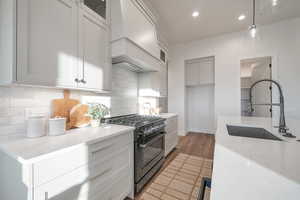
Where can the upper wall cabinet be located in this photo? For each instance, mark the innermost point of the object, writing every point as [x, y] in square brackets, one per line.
[134, 34]
[199, 72]
[59, 43]
[94, 48]
[47, 42]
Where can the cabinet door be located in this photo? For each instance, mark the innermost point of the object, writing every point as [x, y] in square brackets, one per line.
[163, 81]
[200, 71]
[47, 42]
[76, 185]
[95, 64]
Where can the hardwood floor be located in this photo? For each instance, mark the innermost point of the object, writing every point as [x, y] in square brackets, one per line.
[197, 144]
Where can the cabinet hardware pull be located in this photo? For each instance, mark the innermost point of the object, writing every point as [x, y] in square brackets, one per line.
[46, 196]
[83, 81]
[77, 80]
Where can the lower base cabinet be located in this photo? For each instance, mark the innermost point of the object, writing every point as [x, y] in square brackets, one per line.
[171, 138]
[121, 186]
[107, 173]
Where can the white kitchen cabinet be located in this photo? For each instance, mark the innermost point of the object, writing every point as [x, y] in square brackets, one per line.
[95, 62]
[87, 170]
[199, 72]
[164, 81]
[171, 137]
[153, 84]
[47, 42]
[56, 43]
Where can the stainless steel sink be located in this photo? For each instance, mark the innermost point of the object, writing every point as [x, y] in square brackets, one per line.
[251, 132]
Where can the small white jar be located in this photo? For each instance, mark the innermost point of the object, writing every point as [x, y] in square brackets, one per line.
[36, 126]
[57, 126]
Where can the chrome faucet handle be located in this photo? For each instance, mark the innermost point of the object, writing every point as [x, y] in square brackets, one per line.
[289, 135]
[283, 129]
[285, 132]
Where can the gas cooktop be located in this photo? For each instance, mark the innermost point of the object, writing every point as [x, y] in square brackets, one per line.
[134, 120]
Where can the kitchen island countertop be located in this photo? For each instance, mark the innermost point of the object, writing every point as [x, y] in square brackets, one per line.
[250, 168]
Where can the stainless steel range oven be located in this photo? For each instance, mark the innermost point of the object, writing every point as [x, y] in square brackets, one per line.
[149, 157]
[149, 145]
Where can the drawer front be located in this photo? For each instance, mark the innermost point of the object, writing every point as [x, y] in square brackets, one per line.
[62, 163]
[172, 124]
[81, 184]
[92, 182]
[98, 149]
[112, 163]
[122, 184]
[171, 141]
[59, 164]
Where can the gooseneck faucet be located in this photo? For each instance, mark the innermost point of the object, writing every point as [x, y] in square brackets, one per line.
[282, 124]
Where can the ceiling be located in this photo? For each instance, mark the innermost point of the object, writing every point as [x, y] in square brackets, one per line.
[217, 16]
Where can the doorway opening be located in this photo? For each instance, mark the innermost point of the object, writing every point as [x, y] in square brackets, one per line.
[252, 70]
[200, 95]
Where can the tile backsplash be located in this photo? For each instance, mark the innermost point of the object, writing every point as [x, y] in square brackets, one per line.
[17, 102]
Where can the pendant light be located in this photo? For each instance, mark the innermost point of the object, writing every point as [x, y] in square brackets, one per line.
[252, 28]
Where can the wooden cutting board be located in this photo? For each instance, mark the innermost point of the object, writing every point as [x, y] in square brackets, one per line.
[78, 116]
[62, 107]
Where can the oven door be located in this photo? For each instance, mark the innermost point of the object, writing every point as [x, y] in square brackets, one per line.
[148, 154]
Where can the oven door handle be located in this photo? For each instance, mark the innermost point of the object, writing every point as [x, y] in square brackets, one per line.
[155, 139]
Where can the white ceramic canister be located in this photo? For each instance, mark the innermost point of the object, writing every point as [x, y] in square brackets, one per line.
[57, 126]
[36, 126]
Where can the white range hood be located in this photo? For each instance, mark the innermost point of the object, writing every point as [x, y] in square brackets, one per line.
[134, 40]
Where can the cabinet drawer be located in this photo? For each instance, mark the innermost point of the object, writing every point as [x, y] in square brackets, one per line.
[171, 125]
[112, 163]
[68, 160]
[81, 184]
[122, 184]
[98, 148]
[88, 181]
[59, 164]
[92, 181]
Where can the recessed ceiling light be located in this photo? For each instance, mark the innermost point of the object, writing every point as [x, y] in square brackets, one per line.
[274, 2]
[242, 17]
[195, 14]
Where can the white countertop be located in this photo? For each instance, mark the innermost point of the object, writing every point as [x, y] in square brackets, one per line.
[249, 168]
[27, 149]
[167, 115]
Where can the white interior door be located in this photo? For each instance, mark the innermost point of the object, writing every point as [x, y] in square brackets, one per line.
[47, 42]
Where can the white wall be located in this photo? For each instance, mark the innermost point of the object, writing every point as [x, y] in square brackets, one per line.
[280, 40]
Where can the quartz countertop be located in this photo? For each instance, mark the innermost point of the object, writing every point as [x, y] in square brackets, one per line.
[27, 149]
[167, 115]
[250, 168]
